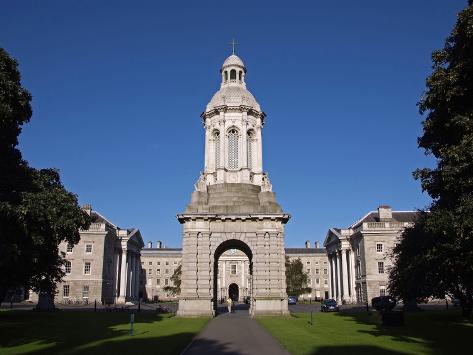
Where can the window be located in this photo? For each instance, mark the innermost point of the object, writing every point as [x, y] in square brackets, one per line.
[167, 262]
[308, 263]
[69, 248]
[68, 266]
[310, 282]
[308, 271]
[379, 247]
[317, 271]
[325, 282]
[88, 248]
[325, 272]
[158, 282]
[150, 271]
[65, 291]
[226, 75]
[150, 281]
[87, 268]
[317, 281]
[380, 267]
[150, 263]
[159, 262]
[158, 272]
[316, 263]
[233, 269]
[166, 282]
[382, 290]
[325, 263]
[250, 144]
[167, 271]
[233, 149]
[217, 149]
[175, 262]
[85, 291]
[233, 74]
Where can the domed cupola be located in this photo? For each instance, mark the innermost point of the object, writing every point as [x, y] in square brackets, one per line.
[233, 91]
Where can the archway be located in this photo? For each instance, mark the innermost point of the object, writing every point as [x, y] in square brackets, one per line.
[233, 289]
[234, 292]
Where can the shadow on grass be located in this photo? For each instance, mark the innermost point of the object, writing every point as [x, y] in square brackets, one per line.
[210, 347]
[442, 331]
[354, 350]
[77, 332]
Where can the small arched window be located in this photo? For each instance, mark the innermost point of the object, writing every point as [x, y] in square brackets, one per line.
[233, 74]
[226, 75]
[240, 73]
[250, 147]
[216, 137]
[233, 148]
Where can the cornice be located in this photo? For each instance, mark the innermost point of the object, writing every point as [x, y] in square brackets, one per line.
[283, 217]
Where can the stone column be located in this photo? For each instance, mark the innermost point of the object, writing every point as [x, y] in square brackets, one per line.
[344, 275]
[259, 158]
[131, 275]
[244, 142]
[352, 271]
[338, 277]
[116, 281]
[331, 278]
[123, 277]
[204, 278]
[137, 278]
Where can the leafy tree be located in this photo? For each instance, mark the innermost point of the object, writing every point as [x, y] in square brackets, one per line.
[296, 278]
[445, 235]
[176, 280]
[36, 212]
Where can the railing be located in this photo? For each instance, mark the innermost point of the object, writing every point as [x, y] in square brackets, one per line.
[381, 225]
[97, 227]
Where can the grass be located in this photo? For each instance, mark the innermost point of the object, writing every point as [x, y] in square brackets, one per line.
[29, 332]
[429, 332]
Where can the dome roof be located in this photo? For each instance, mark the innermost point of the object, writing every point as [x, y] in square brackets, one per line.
[233, 96]
[233, 60]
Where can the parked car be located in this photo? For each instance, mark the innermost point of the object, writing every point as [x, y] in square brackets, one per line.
[383, 303]
[329, 305]
[292, 300]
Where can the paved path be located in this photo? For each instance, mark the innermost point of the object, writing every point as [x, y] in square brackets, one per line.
[232, 334]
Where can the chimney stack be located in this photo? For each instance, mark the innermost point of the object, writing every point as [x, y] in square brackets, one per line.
[150, 244]
[307, 244]
[316, 244]
[87, 208]
[160, 244]
[385, 213]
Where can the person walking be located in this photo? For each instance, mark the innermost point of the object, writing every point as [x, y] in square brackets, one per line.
[229, 304]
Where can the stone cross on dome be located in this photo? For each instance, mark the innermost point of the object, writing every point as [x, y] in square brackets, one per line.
[233, 43]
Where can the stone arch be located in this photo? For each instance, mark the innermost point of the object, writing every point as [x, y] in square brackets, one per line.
[227, 244]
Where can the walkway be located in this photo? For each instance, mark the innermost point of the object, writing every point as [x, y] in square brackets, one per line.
[232, 334]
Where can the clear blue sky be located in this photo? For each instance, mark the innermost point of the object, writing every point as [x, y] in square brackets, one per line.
[118, 88]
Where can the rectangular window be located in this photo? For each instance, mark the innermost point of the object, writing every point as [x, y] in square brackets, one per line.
[166, 282]
[380, 267]
[167, 262]
[85, 291]
[325, 263]
[379, 247]
[69, 248]
[150, 263]
[233, 269]
[316, 263]
[158, 271]
[159, 262]
[87, 268]
[382, 290]
[150, 271]
[88, 248]
[68, 267]
[325, 282]
[325, 272]
[317, 271]
[158, 282]
[175, 262]
[308, 263]
[308, 271]
[65, 291]
[310, 282]
[317, 281]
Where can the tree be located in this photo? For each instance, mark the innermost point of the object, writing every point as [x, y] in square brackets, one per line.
[36, 212]
[445, 235]
[296, 278]
[176, 281]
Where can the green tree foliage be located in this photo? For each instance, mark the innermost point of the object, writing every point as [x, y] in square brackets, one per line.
[176, 280]
[444, 237]
[296, 278]
[36, 211]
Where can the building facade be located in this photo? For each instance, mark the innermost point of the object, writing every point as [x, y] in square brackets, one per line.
[104, 266]
[360, 256]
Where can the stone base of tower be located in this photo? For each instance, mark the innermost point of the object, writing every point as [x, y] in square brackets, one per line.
[195, 308]
[270, 307]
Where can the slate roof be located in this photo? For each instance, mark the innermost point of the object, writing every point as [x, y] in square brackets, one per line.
[398, 216]
[305, 250]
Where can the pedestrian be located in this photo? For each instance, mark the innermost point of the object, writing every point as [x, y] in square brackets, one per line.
[229, 304]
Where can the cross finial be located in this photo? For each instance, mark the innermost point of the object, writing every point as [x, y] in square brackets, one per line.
[233, 43]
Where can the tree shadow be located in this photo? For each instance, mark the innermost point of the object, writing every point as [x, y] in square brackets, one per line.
[354, 350]
[88, 332]
[210, 347]
[444, 331]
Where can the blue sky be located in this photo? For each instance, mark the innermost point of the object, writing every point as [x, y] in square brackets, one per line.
[118, 87]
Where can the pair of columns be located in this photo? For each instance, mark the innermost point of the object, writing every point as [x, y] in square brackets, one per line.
[342, 275]
[129, 276]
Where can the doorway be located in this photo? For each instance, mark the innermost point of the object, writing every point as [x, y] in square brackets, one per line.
[233, 292]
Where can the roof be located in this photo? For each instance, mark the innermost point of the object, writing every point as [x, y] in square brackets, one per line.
[398, 216]
[305, 250]
[233, 60]
[233, 96]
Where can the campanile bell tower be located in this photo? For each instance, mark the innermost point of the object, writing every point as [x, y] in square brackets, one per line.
[233, 206]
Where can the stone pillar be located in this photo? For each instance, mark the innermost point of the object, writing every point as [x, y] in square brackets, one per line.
[123, 277]
[353, 275]
[337, 276]
[116, 282]
[131, 276]
[137, 278]
[259, 158]
[244, 142]
[331, 272]
[343, 255]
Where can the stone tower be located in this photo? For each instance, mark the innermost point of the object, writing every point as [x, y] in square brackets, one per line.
[233, 206]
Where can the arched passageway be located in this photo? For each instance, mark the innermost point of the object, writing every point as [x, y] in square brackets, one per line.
[233, 288]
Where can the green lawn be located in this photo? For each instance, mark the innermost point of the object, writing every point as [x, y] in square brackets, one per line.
[90, 333]
[439, 332]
